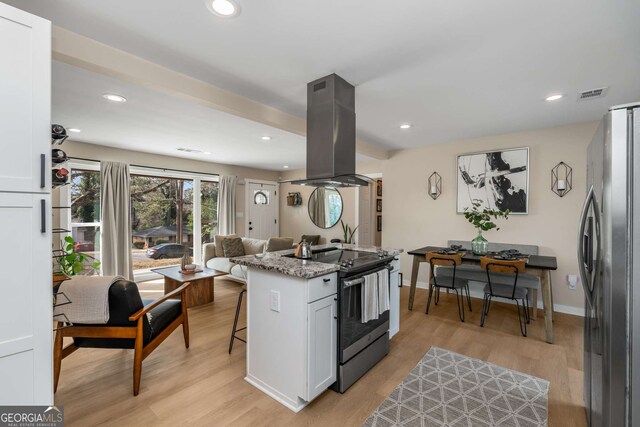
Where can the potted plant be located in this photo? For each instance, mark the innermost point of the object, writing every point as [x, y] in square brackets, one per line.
[71, 263]
[348, 233]
[482, 219]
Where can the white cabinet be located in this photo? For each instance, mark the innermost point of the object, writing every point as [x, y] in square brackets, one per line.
[321, 345]
[395, 278]
[292, 335]
[25, 305]
[25, 101]
[25, 202]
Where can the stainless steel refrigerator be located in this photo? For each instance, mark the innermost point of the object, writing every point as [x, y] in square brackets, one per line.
[608, 254]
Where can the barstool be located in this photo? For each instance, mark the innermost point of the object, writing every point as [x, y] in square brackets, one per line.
[235, 321]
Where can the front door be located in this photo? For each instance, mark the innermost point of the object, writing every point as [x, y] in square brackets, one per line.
[262, 210]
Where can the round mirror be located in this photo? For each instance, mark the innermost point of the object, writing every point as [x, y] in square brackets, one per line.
[325, 207]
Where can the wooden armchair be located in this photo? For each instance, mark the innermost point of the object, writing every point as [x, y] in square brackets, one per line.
[133, 324]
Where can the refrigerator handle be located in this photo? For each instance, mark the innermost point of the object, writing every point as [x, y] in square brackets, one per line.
[585, 243]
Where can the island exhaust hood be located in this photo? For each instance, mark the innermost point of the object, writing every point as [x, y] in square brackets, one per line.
[331, 135]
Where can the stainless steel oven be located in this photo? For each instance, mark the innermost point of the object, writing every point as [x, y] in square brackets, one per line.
[360, 345]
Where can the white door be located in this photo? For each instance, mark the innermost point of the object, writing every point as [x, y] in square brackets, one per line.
[25, 101]
[365, 215]
[262, 210]
[322, 345]
[26, 302]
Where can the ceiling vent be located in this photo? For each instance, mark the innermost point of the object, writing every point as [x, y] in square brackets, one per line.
[189, 150]
[592, 93]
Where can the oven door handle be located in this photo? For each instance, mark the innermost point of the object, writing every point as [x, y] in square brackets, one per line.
[360, 280]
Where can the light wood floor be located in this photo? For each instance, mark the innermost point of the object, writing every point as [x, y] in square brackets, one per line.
[204, 385]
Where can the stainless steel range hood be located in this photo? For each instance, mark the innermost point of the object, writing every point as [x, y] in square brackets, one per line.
[331, 134]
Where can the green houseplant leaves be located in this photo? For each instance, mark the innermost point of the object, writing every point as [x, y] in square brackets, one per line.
[73, 263]
[482, 219]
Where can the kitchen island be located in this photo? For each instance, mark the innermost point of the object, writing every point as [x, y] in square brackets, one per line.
[295, 316]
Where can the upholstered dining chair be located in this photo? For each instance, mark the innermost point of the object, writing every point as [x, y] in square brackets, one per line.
[448, 282]
[134, 323]
[519, 294]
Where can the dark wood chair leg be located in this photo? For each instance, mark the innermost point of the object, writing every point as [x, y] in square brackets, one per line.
[57, 357]
[185, 322]
[137, 357]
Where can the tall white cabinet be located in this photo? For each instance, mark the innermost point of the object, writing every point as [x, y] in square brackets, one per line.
[25, 209]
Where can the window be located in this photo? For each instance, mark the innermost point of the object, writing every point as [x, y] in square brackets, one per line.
[161, 220]
[209, 210]
[164, 212]
[261, 197]
[85, 212]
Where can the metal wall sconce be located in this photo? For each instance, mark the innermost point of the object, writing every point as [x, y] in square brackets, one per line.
[561, 179]
[435, 185]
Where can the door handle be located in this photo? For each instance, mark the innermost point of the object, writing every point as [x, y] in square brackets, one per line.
[326, 280]
[250, 228]
[42, 170]
[400, 278]
[584, 244]
[43, 216]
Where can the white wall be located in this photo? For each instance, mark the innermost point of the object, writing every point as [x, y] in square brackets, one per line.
[412, 219]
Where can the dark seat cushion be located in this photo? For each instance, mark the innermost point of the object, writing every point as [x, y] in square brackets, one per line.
[445, 282]
[505, 291]
[124, 300]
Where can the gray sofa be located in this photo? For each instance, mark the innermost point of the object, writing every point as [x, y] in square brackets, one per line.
[213, 255]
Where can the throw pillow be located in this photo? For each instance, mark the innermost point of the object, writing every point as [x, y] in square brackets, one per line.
[217, 241]
[232, 247]
[279, 244]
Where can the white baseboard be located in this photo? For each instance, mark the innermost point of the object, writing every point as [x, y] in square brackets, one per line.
[477, 293]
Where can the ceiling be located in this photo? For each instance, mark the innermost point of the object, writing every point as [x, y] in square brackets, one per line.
[157, 123]
[454, 69]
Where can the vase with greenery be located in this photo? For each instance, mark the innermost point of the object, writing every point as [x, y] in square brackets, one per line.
[483, 220]
[72, 263]
[348, 232]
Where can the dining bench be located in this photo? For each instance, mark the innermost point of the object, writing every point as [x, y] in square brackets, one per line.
[474, 273]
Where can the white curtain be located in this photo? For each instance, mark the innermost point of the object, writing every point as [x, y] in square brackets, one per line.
[115, 208]
[227, 205]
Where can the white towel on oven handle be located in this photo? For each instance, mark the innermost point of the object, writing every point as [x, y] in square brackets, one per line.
[369, 297]
[383, 291]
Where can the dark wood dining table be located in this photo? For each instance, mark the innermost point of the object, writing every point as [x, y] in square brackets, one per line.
[538, 265]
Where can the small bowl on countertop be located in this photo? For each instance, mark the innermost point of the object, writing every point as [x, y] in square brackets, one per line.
[190, 267]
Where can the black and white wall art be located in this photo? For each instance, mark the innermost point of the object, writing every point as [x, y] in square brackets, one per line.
[499, 178]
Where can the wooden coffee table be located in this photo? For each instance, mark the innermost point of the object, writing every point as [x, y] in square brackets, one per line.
[201, 289]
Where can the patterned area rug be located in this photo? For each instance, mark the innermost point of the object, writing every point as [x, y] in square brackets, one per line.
[449, 389]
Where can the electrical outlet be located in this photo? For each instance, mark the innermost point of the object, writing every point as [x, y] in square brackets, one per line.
[572, 281]
[274, 301]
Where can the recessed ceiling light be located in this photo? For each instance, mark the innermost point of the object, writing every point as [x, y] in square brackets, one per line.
[207, 152]
[114, 98]
[74, 130]
[266, 138]
[405, 126]
[286, 167]
[554, 97]
[223, 8]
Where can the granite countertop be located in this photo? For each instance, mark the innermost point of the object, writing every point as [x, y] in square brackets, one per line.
[276, 261]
